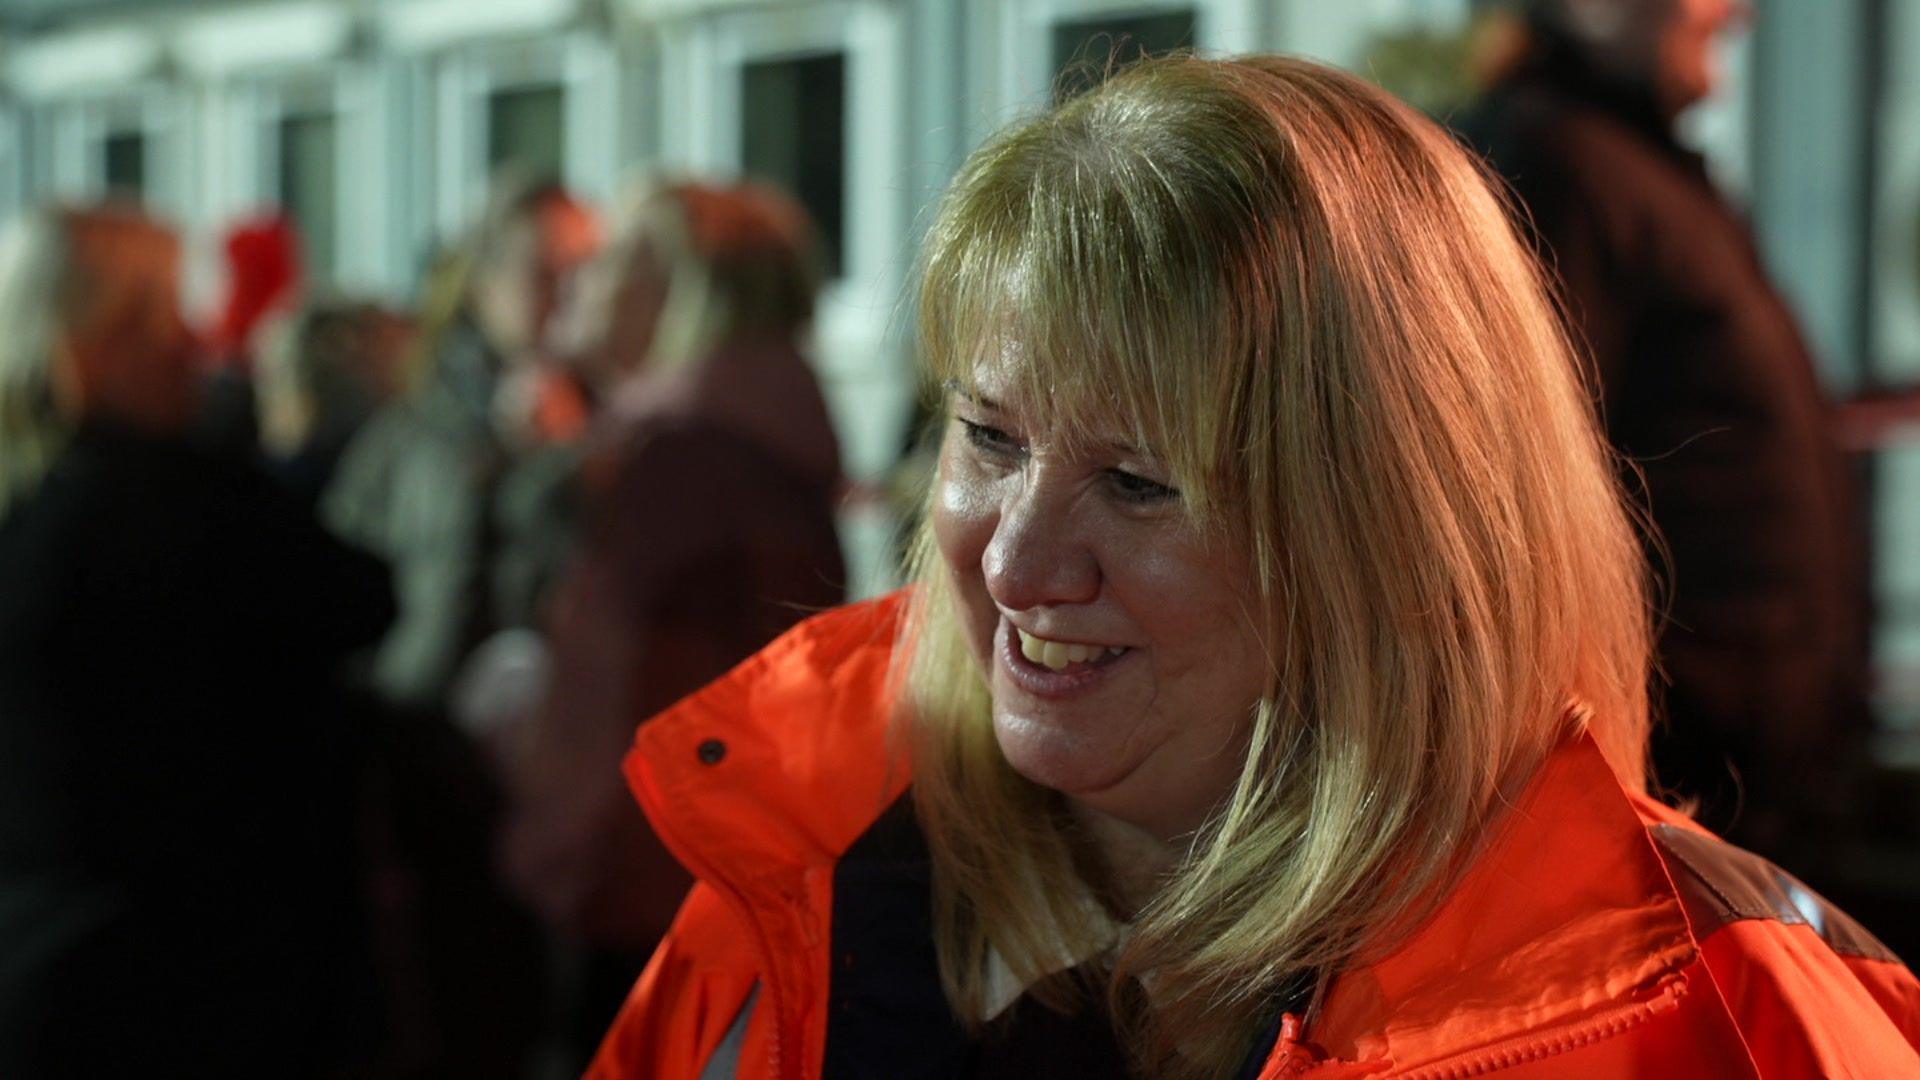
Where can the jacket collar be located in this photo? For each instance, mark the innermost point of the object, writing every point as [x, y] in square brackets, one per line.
[772, 770]
[1562, 74]
[760, 782]
[1577, 73]
[1566, 920]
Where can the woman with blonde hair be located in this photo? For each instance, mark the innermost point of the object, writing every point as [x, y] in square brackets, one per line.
[1271, 696]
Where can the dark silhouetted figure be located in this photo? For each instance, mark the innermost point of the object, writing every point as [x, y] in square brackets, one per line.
[178, 893]
[1709, 390]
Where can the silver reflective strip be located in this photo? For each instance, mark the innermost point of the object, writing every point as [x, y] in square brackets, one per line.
[725, 1062]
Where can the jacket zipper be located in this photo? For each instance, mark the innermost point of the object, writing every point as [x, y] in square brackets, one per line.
[764, 947]
[1586, 1033]
[737, 898]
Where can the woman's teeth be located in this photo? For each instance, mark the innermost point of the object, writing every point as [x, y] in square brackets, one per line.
[1058, 654]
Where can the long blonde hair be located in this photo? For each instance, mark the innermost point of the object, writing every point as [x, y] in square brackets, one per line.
[1310, 302]
[516, 199]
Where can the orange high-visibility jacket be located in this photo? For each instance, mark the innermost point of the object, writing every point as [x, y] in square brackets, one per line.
[1599, 934]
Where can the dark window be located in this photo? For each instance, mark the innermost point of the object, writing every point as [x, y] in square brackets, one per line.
[794, 135]
[125, 163]
[308, 193]
[526, 127]
[1086, 51]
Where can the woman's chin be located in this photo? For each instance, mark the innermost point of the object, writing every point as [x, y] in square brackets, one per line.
[1056, 756]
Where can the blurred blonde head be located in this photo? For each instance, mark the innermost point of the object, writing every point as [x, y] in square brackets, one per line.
[90, 299]
[508, 273]
[1310, 304]
[694, 267]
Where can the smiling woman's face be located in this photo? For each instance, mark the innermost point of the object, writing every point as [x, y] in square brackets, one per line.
[1114, 634]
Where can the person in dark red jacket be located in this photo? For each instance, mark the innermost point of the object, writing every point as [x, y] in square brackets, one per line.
[1270, 699]
[1709, 391]
[709, 529]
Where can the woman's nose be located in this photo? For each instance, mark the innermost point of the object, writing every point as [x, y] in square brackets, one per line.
[1037, 556]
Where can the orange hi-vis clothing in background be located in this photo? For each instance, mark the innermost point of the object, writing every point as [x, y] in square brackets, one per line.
[1597, 934]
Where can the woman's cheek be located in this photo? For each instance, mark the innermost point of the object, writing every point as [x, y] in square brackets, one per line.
[965, 515]
[963, 511]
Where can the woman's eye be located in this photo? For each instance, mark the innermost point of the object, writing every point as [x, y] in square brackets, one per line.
[990, 440]
[1135, 488]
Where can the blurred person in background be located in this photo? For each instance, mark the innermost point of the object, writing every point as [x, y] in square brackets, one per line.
[1709, 389]
[447, 483]
[177, 888]
[708, 530]
[322, 372]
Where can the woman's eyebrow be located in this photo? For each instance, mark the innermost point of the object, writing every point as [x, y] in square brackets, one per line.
[954, 386]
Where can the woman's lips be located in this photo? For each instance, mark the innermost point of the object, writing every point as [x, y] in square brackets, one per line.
[1085, 666]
